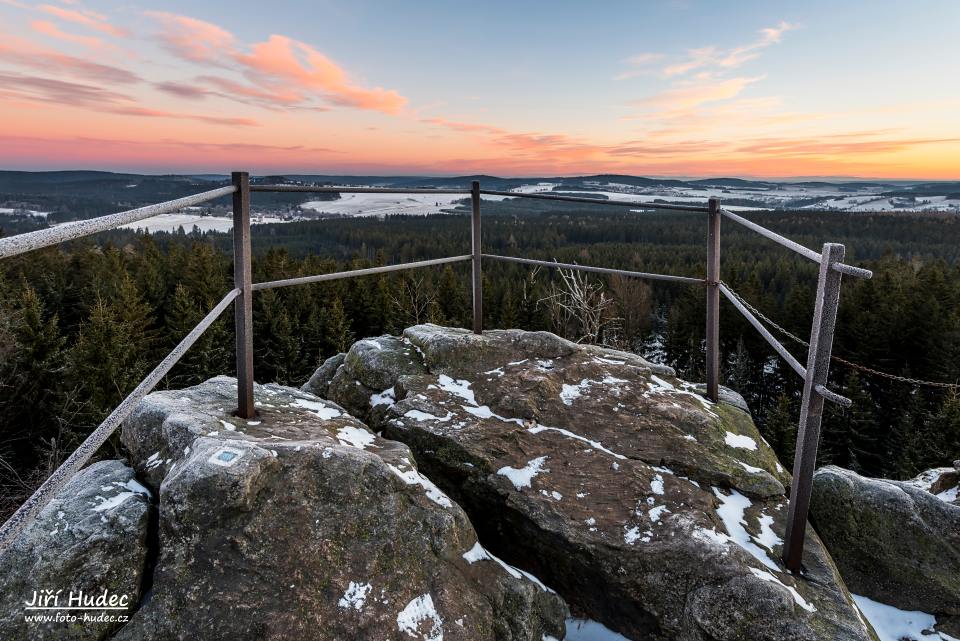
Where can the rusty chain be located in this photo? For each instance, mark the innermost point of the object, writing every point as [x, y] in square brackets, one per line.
[856, 366]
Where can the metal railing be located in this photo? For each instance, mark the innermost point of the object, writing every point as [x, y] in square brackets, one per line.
[814, 374]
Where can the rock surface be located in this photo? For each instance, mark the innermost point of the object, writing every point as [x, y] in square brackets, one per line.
[320, 381]
[91, 537]
[894, 542]
[302, 524]
[942, 482]
[646, 506]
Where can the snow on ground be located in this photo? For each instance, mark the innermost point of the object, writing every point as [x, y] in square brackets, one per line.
[355, 436]
[926, 480]
[523, 476]
[784, 196]
[355, 596]
[320, 409]
[950, 495]
[739, 440]
[412, 477]
[389, 204]
[9, 211]
[892, 624]
[539, 188]
[172, 222]
[731, 511]
[587, 630]
[480, 553]
[420, 610]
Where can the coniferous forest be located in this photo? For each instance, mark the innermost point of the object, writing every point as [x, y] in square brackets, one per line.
[82, 324]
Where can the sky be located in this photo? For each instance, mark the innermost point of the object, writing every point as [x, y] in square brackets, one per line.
[660, 88]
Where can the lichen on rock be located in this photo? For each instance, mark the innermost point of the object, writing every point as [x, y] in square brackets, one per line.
[895, 542]
[645, 505]
[90, 540]
[304, 524]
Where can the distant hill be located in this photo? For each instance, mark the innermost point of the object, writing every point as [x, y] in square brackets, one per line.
[73, 195]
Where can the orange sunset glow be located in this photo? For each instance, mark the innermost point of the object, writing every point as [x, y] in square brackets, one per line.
[382, 89]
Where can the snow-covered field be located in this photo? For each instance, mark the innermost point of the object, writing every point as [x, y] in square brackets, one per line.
[385, 204]
[693, 198]
[777, 196]
[759, 197]
[8, 211]
[735, 195]
[172, 222]
[389, 204]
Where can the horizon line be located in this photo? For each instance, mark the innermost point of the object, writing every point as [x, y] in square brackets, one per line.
[678, 177]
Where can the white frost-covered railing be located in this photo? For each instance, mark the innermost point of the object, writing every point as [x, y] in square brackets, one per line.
[814, 374]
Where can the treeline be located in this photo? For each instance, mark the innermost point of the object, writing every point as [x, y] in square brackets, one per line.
[81, 325]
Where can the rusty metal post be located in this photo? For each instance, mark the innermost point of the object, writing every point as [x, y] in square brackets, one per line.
[811, 409]
[243, 306]
[713, 299]
[477, 257]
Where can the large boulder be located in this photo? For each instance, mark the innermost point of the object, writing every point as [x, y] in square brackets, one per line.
[320, 381]
[372, 365]
[645, 505]
[302, 524]
[894, 542]
[88, 542]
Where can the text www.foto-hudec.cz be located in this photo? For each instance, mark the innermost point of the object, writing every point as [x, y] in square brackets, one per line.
[73, 606]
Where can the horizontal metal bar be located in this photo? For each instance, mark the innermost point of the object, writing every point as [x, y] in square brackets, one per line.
[30, 241]
[319, 278]
[62, 475]
[355, 190]
[850, 270]
[774, 343]
[833, 397]
[594, 201]
[596, 270]
[775, 237]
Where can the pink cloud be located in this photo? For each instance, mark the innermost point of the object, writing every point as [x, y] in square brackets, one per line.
[240, 91]
[182, 90]
[21, 53]
[59, 92]
[696, 58]
[132, 154]
[527, 144]
[49, 29]
[192, 39]
[302, 66]
[282, 71]
[159, 113]
[714, 57]
[850, 144]
[90, 19]
[691, 95]
[640, 64]
[467, 127]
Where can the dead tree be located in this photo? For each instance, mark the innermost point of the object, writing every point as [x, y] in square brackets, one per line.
[580, 310]
[413, 302]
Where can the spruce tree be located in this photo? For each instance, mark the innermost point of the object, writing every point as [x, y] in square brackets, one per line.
[780, 429]
[338, 335]
[31, 372]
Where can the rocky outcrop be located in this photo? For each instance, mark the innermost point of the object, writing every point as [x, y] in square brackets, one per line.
[302, 524]
[646, 506]
[89, 542]
[894, 542]
[320, 381]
